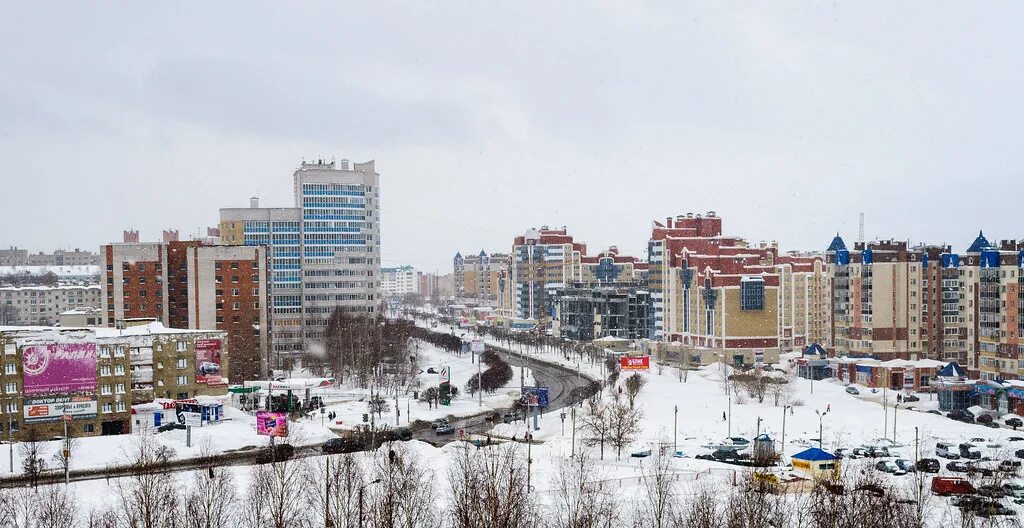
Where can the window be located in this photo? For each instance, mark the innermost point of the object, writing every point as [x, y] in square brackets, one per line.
[119, 351]
[11, 368]
[104, 352]
[108, 408]
[88, 428]
[119, 388]
[182, 380]
[121, 407]
[182, 346]
[236, 305]
[104, 370]
[12, 407]
[182, 363]
[119, 370]
[105, 390]
[11, 388]
[234, 292]
[752, 293]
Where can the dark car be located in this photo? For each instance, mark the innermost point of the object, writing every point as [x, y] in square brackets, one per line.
[1019, 453]
[974, 469]
[957, 466]
[879, 452]
[1014, 422]
[278, 453]
[170, 426]
[961, 416]
[933, 411]
[991, 490]
[928, 465]
[984, 419]
[1015, 439]
[991, 425]
[337, 446]
[911, 398]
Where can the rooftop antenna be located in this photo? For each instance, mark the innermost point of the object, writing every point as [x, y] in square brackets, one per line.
[860, 232]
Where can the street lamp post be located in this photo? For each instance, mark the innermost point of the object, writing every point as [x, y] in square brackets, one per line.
[782, 454]
[894, 409]
[361, 488]
[820, 416]
[675, 429]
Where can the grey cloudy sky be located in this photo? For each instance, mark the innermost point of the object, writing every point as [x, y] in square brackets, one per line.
[488, 118]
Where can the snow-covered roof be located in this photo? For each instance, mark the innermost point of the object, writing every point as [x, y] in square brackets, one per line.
[154, 328]
[45, 288]
[60, 271]
[814, 455]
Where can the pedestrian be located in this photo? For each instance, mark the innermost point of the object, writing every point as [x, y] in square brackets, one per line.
[791, 410]
[723, 416]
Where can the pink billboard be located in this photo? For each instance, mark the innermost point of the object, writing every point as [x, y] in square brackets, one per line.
[271, 423]
[59, 368]
[208, 361]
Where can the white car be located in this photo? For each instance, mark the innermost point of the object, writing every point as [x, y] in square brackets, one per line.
[1013, 488]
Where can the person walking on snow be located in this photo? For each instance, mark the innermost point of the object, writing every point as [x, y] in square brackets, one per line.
[723, 416]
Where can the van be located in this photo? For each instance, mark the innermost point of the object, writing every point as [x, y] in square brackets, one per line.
[970, 451]
[951, 486]
[947, 450]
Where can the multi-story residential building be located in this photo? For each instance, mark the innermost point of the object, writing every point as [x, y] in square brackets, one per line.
[41, 305]
[96, 374]
[720, 295]
[610, 267]
[542, 262]
[587, 312]
[877, 302]
[477, 276]
[21, 257]
[324, 251]
[398, 281]
[48, 275]
[190, 285]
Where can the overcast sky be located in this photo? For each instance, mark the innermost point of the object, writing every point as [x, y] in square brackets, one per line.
[486, 121]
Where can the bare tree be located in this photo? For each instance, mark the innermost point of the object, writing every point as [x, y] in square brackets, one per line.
[63, 456]
[701, 510]
[580, 500]
[149, 498]
[488, 489]
[624, 424]
[634, 383]
[276, 496]
[44, 507]
[661, 493]
[780, 389]
[33, 454]
[595, 427]
[211, 501]
[404, 495]
[336, 483]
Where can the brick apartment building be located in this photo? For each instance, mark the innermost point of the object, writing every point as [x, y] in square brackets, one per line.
[477, 277]
[193, 285]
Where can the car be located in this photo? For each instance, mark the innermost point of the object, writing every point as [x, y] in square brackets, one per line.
[991, 425]
[641, 454]
[860, 452]
[169, 426]
[438, 423]
[846, 452]
[279, 452]
[337, 446]
[951, 486]
[928, 465]
[991, 490]
[1019, 453]
[984, 419]
[974, 468]
[1015, 439]
[933, 411]
[510, 417]
[879, 452]
[969, 451]
[1009, 466]
[910, 398]
[444, 430]
[852, 390]
[957, 467]
[906, 465]
[888, 466]
[961, 416]
[1013, 488]
[947, 450]
[738, 441]
[1014, 422]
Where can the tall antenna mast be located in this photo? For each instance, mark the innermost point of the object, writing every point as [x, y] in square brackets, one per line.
[860, 232]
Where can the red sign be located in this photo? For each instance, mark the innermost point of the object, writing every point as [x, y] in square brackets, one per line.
[635, 363]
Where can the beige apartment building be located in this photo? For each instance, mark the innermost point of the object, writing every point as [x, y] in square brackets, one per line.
[543, 261]
[42, 305]
[478, 277]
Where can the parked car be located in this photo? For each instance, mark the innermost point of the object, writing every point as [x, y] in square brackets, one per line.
[1009, 466]
[510, 417]
[961, 416]
[975, 468]
[888, 466]
[860, 452]
[641, 454]
[845, 452]
[951, 485]
[879, 452]
[1014, 422]
[984, 419]
[280, 452]
[1013, 488]
[910, 398]
[444, 430]
[852, 390]
[991, 425]
[1019, 453]
[947, 450]
[957, 467]
[991, 490]
[933, 411]
[969, 451]
[1015, 439]
[906, 465]
[928, 465]
[337, 446]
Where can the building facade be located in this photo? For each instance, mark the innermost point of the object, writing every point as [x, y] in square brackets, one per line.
[610, 267]
[14, 256]
[189, 285]
[398, 281]
[41, 305]
[543, 262]
[96, 374]
[324, 251]
[588, 312]
[477, 277]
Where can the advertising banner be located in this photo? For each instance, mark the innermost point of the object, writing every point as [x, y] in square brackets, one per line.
[478, 346]
[271, 423]
[52, 408]
[635, 363]
[189, 413]
[536, 396]
[208, 361]
[59, 368]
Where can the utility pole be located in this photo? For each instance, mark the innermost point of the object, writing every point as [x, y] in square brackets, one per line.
[67, 451]
[885, 412]
[479, 382]
[573, 452]
[894, 409]
[529, 459]
[327, 496]
[782, 453]
[675, 429]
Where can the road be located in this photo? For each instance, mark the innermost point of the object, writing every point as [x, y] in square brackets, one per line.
[560, 382]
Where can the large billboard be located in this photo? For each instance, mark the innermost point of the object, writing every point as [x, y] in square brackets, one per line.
[271, 423]
[536, 396]
[208, 361]
[59, 368]
[188, 413]
[52, 408]
[635, 362]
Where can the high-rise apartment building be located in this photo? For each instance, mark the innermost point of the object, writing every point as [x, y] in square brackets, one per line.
[191, 285]
[324, 251]
[398, 281]
[542, 262]
[477, 276]
[877, 302]
[611, 267]
[719, 294]
[42, 305]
